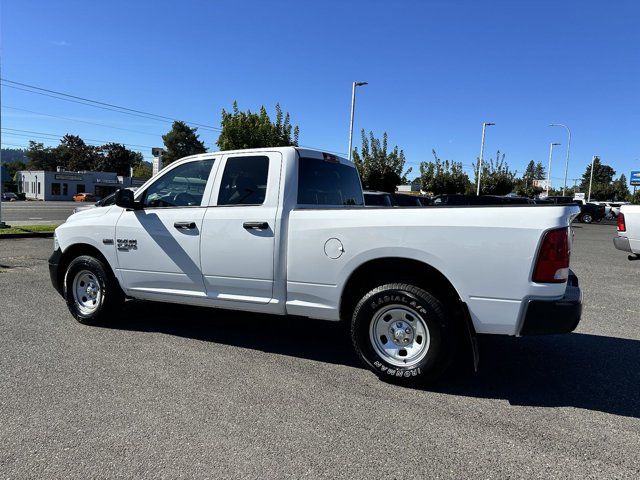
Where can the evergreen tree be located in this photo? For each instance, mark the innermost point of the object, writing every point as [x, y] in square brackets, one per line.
[40, 157]
[602, 187]
[181, 141]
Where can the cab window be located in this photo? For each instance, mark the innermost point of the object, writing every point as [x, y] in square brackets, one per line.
[244, 181]
[182, 186]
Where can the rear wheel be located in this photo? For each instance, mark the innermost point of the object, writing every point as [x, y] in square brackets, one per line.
[91, 291]
[587, 218]
[403, 333]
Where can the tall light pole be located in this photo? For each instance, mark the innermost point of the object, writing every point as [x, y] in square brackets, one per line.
[551, 145]
[353, 111]
[566, 163]
[591, 178]
[484, 126]
[2, 224]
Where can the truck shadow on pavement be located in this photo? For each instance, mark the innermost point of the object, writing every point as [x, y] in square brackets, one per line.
[576, 370]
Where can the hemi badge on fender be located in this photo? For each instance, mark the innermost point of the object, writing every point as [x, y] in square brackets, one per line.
[107, 241]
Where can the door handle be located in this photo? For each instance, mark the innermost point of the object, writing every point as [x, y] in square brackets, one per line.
[185, 225]
[255, 225]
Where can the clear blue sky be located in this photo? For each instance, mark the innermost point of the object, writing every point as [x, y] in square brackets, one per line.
[436, 69]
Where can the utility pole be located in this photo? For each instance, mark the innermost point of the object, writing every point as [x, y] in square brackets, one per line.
[484, 126]
[549, 169]
[353, 111]
[2, 224]
[591, 179]
[566, 163]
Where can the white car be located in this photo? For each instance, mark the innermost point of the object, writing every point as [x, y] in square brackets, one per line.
[628, 239]
[284, 231]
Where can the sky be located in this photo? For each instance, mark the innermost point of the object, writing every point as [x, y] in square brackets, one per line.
[436, 70]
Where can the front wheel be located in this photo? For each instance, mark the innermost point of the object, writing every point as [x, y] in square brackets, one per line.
[91, 291]
[403, 333]
[587, 218]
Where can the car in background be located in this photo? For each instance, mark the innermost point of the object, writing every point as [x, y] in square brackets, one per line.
[589, 212]
[85, 197]
[9, 197]
[105, 202]
[403, 200]
[492, 200]
[377, 199]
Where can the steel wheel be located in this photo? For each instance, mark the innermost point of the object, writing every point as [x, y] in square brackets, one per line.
[587, 218]
[87, 293]
[399, 335]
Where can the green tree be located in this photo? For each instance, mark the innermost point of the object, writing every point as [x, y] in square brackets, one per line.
[540, 173]
[181, 141]
[497, 179]
[115, 157]
[143, 170]
[75, 155]
[602, 187]
[524, 186]
[439, 177]
[620, 189]
[40, 157]
[380, 169]
[256, 130]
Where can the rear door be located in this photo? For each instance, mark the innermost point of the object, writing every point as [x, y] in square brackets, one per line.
[158, 246]
[238, 230]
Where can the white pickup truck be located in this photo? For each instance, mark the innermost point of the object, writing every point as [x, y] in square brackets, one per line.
[284, 231]
[628, 238]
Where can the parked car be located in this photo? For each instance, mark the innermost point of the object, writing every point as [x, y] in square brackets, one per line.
[85, 197]
[377, 199]
[414, 284]
[589, 211]
[488, 200]
[9, 197]
[628, 239]
[403, 200]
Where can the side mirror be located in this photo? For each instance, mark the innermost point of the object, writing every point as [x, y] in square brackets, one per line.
[124, 199]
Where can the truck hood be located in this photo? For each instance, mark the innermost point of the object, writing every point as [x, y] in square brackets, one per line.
[88, 213]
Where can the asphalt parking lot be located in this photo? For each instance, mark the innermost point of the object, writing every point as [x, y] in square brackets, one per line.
[174, 392]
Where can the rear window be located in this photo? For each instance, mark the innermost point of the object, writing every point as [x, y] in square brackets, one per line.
[322, 182]
[377, 200]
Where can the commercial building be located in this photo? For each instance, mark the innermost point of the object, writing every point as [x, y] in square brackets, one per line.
[62, 185]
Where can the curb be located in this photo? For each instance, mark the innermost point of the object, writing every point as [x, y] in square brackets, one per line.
[26, 235]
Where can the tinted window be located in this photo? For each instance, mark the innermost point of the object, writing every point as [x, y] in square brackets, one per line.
[244, 181]
[406, 201]
[322, 182]
[182, 186]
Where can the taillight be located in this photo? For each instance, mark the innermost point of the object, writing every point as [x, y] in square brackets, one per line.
[622, 227]
[552, 265]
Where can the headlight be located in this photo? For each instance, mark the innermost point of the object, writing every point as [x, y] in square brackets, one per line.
[55, 242]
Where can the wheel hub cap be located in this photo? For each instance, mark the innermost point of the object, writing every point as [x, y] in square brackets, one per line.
[86, 292]
[399, 335]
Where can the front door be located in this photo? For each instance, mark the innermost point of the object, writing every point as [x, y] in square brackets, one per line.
[158, 246]
[239, 228]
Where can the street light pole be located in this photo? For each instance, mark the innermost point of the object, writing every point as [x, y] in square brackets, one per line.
[551, 145]
[2, 224]
[484, 126]
[353, 111]
[591, 178]
[566, 163]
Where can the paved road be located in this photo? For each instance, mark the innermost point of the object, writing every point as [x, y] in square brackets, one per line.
[35, 213]
[173, 392]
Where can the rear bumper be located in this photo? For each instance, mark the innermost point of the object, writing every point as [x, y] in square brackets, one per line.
[54, 264]
[544, 317]
[622, 243]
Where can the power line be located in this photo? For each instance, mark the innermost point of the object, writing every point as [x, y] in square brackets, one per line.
[98, 104]
[56, 136]
[115, 108]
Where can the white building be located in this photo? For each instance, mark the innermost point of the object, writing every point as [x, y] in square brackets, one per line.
[61, 185]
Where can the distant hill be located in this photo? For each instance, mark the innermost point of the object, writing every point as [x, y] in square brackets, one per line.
[10, 155]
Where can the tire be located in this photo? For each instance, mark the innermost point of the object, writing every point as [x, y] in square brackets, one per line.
[91, 291]
[399, 317]
[586, 218]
